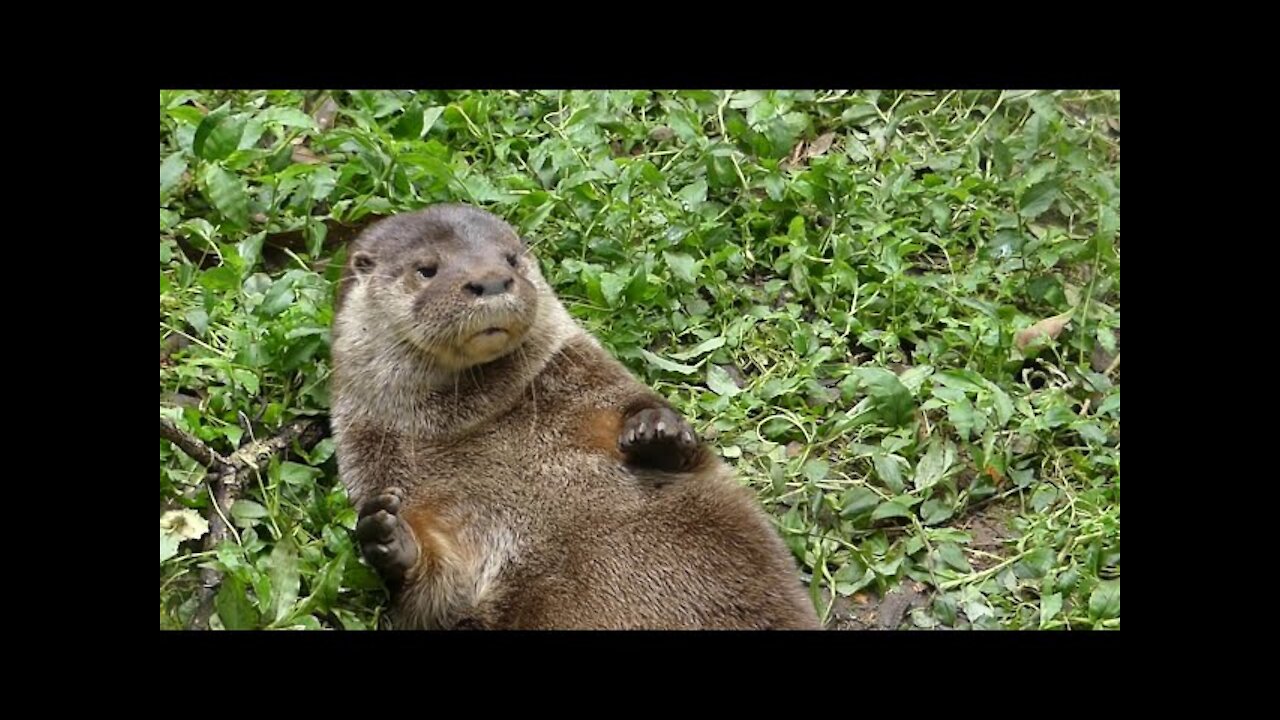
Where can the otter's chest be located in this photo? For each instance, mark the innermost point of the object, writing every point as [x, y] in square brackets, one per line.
[531, 452]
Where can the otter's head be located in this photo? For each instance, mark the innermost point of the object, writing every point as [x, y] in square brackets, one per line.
[453, 281]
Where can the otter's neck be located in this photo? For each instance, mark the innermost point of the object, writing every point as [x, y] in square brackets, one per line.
[381, 381]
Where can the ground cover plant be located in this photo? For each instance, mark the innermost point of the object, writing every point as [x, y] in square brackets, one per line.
[897, 314]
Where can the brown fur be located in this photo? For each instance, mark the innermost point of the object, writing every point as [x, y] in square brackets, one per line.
[524, 510]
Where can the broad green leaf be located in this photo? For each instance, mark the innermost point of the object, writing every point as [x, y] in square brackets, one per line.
[247, 510]
[1104, 601]
[858, 501]
[953, 556]
[612, 285]
[210, 121]
[228, 194]
[695, 193]
[234, 607]
[720, 382]
[198, 319]
[285, 579]
[889, 468]
[224, 138]
[1038, 198]
[278, 298]
[816, 470]
[890, 397]
[296, 474]
[171, 172]
[667, 365]
[1050, 606]
[701, 348]
[937, 460]
[890, 509]
[168, 545]
[682, 266]
[1036, 564]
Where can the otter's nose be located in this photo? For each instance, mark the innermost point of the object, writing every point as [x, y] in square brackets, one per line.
[489, 286]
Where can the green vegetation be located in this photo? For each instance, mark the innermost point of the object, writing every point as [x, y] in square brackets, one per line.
[897, 314]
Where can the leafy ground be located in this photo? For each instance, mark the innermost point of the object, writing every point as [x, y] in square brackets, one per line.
[896, 313]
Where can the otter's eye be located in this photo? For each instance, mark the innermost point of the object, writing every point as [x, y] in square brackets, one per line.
[427, 271]
[511, 260]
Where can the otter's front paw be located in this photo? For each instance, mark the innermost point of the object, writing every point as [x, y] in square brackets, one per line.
[658, 438]
[386, 540]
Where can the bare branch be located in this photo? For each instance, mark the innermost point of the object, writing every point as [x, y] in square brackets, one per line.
[224, 484]
[306, 432]
[190, 444]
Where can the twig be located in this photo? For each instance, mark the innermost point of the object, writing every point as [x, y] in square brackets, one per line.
[224, 484]
[190, 444]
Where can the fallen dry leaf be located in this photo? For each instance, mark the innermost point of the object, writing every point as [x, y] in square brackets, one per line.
[821, 145]
[303, 155]
[183, 524]
[794, 449]
[325, 114]
[1050, 327]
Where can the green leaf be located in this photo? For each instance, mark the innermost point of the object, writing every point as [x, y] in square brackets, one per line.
[247, 510]
[701, 348]
[1090, 432]
[233, 605]
[224, 138]
[937, 460]
[612, 285]
[1043, 497]
[322, 452]
[198, 319]
[667, 365]
[278, 298]
[210, 121]
[720, 382]
[246, 379]
[816, 470]
[967, 420]
[250, 251]
[1036, 564]
[890, 509]
[1038, 198]
[682, 266]
[296, 474]
[288, 117]
[282, 566]
[944, 606]
[429, 117]
[858, 501]
[889, 468]
[219, 278]
[694, 194]
[168, 545]
[171, 172]
[891, 399]
[953, 556]
[1104, 601]
[1050, 606]
[228, 194]
[934, 511]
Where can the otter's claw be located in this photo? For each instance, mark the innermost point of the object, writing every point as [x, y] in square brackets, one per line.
[658, 438]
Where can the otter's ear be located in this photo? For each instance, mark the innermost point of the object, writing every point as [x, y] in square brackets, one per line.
[363, 263]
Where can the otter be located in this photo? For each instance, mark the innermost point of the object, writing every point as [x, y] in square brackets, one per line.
[508, 472]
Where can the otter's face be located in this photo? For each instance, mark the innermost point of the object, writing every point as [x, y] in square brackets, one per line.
[454, 281]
